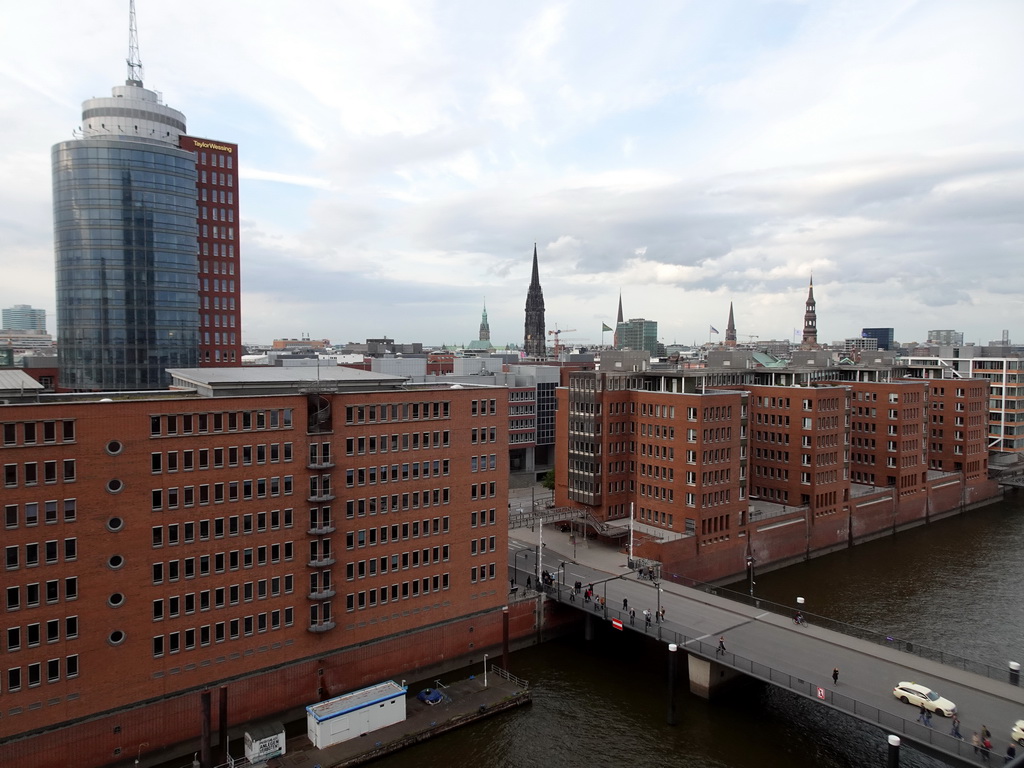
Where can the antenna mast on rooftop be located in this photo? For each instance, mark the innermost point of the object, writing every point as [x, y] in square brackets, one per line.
[134, 62]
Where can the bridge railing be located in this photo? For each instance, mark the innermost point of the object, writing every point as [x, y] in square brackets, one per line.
[950, 658]
[937, 737]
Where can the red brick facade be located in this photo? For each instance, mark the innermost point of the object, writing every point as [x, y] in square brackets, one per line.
[293, 544]
[772, 473]
[219, 251]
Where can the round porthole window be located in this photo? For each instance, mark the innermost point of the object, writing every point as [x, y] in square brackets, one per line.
[116, 637]
[114, 447]
[115, 562]
[115, 599]
[115, 486]
[115, 524]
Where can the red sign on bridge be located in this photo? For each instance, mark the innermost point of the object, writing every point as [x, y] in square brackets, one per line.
[617, 624]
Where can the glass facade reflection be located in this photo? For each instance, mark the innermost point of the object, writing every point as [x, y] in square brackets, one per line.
[125, 234]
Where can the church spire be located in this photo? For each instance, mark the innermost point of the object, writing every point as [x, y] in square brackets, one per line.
[730, 330]
[485, 328]
[810, 337]
[535, 341]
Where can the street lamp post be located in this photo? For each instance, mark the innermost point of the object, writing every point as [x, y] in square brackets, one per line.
[561, 577]
[750, 569]
[485, 670]
[525, 553]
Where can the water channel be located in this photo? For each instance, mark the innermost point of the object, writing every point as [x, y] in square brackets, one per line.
[956, 584]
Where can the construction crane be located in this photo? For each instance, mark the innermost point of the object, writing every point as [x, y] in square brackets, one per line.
[557, 334]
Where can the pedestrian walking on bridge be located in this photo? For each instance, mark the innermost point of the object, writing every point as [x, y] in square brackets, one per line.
[721, 646]
[835, 676]
[625, 604]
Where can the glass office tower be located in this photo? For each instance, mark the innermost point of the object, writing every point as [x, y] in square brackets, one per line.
[125, 229]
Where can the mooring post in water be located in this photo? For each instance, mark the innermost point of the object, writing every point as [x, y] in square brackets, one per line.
[504, 639]
[206, 756]
[670, 715]
[222, 724]
[894, 752]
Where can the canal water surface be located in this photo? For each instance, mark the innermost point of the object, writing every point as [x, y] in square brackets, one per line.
[955, 584]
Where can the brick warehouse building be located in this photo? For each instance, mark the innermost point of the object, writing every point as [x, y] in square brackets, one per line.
[252, 530]
[720, 467]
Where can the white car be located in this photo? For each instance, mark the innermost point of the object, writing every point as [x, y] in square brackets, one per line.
[918, 695]
[1017, 733]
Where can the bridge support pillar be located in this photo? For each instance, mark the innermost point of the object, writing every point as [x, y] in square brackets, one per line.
[588, 627]
[709, 678]
[673, 654]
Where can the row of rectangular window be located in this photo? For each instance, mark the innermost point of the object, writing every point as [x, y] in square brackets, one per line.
[243, 490]
[34, 432]
[31, 473]
[228, 321]
[482, 490]
[273, 520]
[32, 676]
[228, 199]
[33, 593]
[221, 597]
[371, 414]
[221, 562]
[219, 214]
[482, 464]
[486, 544]
[227, 179]
[398, 561]
[230, 421]
[32, 635]
[399, 441]
[235, 455]
[399, 591]
[396, 502]
[399, 532]
[485, 517]
[483, 435]
[260, 489]
[27, 514]
[172, 570]
[216, 158]
[219, 302]
[50, 550]
[222, 250]
[232, 629]
[482, 573]
[407, 471]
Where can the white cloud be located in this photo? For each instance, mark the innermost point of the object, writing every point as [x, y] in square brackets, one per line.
[399, 160]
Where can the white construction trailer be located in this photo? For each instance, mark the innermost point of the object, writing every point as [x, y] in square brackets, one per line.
[353, 714]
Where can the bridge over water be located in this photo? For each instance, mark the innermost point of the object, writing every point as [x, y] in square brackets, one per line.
[763, 642]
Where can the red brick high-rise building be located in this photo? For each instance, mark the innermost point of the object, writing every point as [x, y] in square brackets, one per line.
[219, 251]
[258, 530]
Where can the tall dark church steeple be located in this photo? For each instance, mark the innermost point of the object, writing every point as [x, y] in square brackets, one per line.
[730, 330]
[485, 327]
[535, 341]
[810, 338]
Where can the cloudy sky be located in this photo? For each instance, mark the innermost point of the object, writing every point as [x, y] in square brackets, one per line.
[398, 160]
